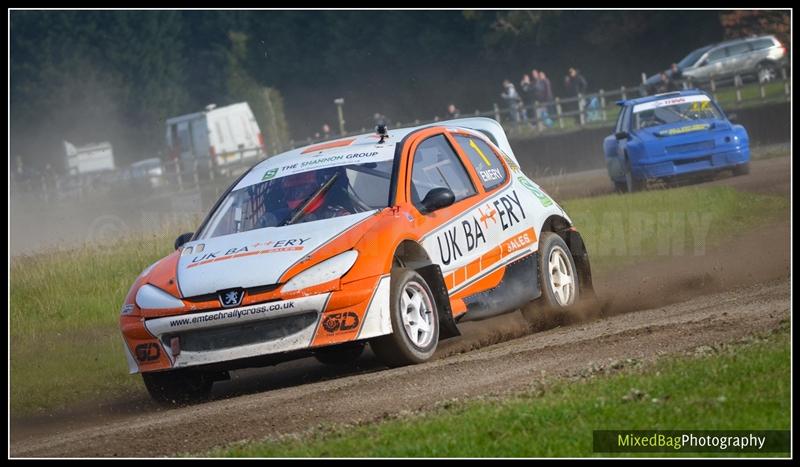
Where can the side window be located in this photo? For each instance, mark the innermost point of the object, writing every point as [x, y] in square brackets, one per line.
[487, 165]
[738, 49]
[437, 165]
[762, 44]
[717, 55]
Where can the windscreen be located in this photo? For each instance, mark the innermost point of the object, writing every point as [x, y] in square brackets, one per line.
[674, 110]
[303, 197]
[692, 58]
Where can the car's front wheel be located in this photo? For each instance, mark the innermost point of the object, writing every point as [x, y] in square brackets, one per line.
[632, 184]
[558, 279]
[178, 386]
[415, 322]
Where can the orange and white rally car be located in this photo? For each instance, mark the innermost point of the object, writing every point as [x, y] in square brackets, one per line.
[389, 239]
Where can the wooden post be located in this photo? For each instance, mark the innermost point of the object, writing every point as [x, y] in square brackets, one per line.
[558, 113]
[603, 105]
[785, 81]
[581, 108]
[622, 93]
[538, 115]
[737, 81]
[496, 112]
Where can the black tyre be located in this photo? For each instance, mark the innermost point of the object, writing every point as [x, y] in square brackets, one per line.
[559, 282]
[741, 169]
[632, 184]
[415, 322]
[340, 355]
[178, 387]
[766, 72]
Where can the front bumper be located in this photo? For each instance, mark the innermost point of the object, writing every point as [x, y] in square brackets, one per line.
[689, 165]
[228, 335]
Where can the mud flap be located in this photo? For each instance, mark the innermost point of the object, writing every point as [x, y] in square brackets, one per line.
[433, 276]
[576, 246]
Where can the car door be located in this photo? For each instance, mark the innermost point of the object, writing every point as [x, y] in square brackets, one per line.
[711, 66]
[502, 276]
[736, 61]
[611, 145]
[434, 164]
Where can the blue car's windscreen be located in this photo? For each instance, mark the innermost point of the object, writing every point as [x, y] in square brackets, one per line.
[303, 197]
[679, 112]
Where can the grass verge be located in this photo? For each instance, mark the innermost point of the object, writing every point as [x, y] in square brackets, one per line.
[620, 229]
[743, 386]
[66, 347]
[65, 343]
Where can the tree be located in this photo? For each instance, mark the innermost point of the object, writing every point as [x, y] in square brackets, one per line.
[741, 23]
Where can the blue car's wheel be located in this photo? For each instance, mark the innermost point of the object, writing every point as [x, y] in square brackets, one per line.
[632, 183]
[741, 169]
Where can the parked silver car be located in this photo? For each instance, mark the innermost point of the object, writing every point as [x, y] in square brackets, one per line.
[760, 57]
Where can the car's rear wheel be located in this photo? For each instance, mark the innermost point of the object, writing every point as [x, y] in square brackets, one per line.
[767, 72]
[415, 322]
[558, 280]
[741, 169]
[178, 387]
[340, 355]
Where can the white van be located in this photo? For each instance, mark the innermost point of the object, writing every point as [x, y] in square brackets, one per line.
[218, 135]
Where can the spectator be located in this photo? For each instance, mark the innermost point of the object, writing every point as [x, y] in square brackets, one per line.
[326, 131]
[526, 91]
[539, 95]
[453, 112]
[380, 119]
[512, 99]
[675, 74]
[665, 84]
[576, 86]
[549, 97]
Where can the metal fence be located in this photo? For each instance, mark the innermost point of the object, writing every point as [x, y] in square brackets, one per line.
[600, 109]
[591, 110]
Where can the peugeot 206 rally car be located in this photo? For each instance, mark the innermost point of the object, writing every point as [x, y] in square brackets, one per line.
[389, 239]
[672, 135]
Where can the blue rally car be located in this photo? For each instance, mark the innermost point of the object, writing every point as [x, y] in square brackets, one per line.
[670, 135]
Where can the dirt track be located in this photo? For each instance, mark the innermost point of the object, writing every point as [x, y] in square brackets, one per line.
[651, 309]
[768, 176]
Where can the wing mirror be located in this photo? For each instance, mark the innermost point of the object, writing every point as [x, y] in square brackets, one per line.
[182, 239]
[438, 198]
[622, 135]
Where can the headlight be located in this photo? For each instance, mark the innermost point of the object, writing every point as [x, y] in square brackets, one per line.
[152, 298]
[328, 270]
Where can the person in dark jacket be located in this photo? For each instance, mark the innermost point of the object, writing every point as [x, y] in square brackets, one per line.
[576, 85]
[527, 90]
[665, 84]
